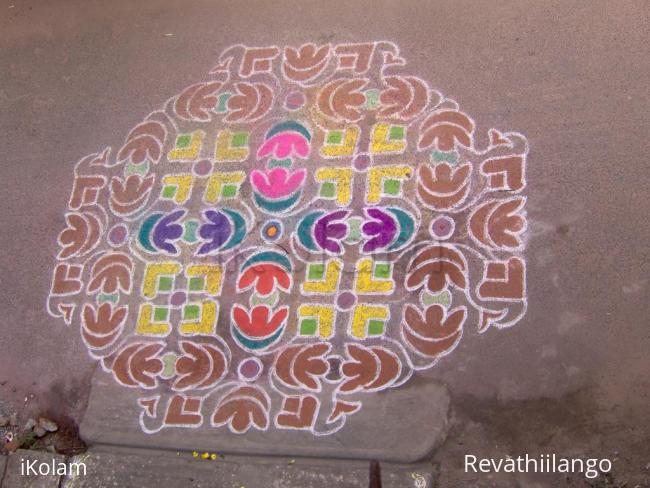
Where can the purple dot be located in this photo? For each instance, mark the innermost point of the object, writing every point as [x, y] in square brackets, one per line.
[442, 227]
[362, 161]
[117, 235]
[294, 100]
[178, 298]
[250, 369]
[203, 167]
[346, 300]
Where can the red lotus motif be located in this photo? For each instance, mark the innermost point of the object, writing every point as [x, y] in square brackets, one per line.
[265, 277]
[260, 322]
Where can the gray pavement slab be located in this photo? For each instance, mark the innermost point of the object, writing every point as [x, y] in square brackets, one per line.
[3, 464]
[18, 474]
[374, 433]
[136, 468]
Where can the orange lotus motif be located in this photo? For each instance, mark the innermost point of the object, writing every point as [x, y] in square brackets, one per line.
[102, 325]
[196, 101]
[243, 408]
[446, 130]
[144, 143]
[442, 187]
[130, 194]
[499, 223]
[435, 333]
[342, 99]
[252, 102]
[306, 63]
[404, 97]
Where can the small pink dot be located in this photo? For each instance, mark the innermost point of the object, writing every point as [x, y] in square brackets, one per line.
[442, 227]
[202, 168]
[362, 161]
[178, 298]
[346, 300]
[294, 100]
[118, 234]
[250, 369]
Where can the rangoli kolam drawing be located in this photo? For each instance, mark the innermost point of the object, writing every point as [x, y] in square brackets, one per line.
[300, 229]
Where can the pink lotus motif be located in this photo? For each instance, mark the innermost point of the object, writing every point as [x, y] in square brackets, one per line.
[283, 145]
[277, 182]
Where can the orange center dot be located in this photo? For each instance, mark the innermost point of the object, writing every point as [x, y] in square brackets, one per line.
[271, 231]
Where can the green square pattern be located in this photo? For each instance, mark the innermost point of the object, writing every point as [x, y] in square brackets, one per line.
[372, 99]
[165, 283]
[169, 191]
[396, 133]
[240, 139]
[191, 227]
[105, 297]
[382, 270]
[316, 272]
[391, 187]
[223, 99]
[437, 156]
[160, 314]
[197, 283]
[375, 327]
[183, 141]
[328, 190]
[308, 327]
[191, 312]
[334, 137]
[229, 191]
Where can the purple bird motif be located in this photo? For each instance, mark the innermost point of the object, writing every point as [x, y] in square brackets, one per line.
[327, 231]
[381, 230]
[216, 231]
[168, 230]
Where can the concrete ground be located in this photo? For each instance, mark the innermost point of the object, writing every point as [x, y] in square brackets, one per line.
[571, 378]
[131, 468]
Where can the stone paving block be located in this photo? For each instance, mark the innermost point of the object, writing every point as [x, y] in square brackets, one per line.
[3, 463]
[373, 433]
[49, 479]
[128, 468]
